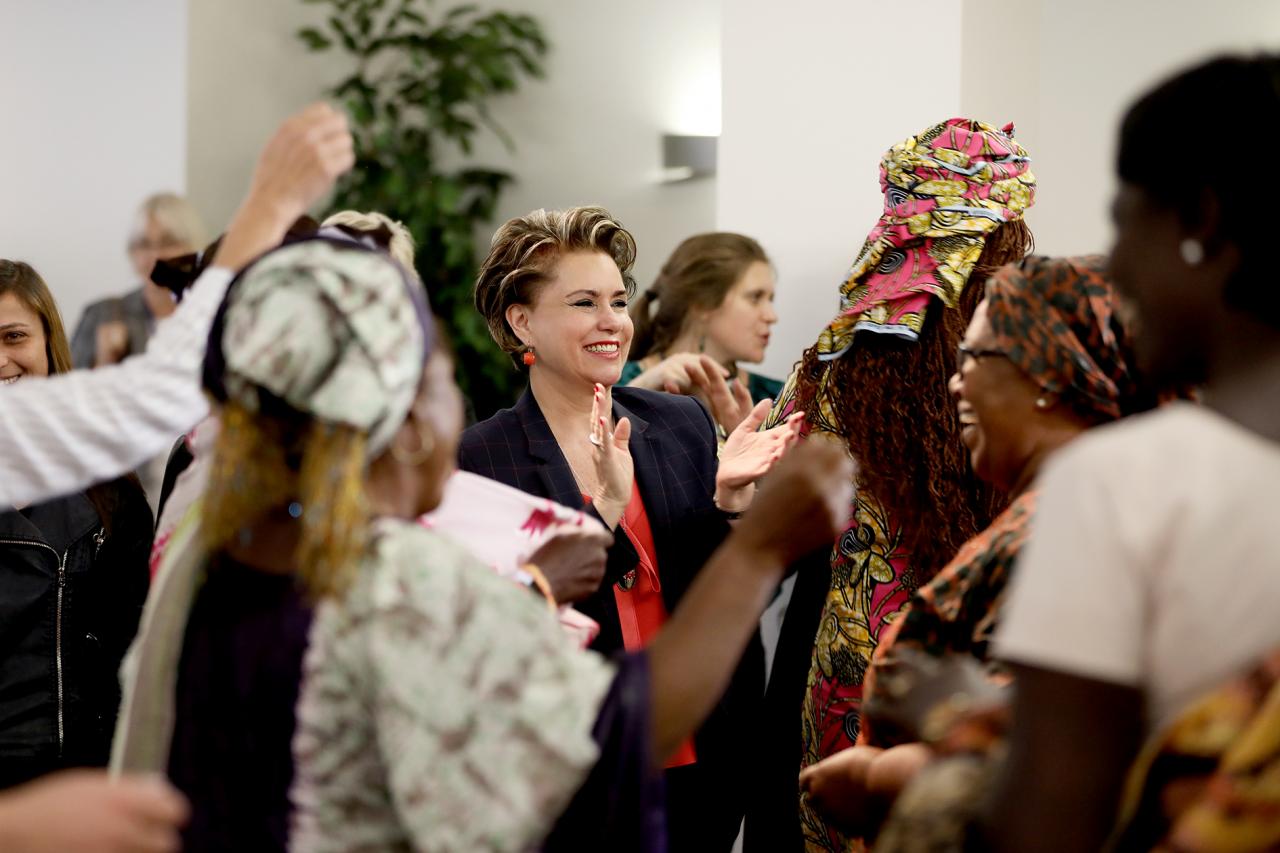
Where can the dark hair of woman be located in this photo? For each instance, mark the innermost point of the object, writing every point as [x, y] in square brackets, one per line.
[890, 402]
[1224, 93]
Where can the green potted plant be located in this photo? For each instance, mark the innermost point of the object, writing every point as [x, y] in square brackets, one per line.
[422, 85]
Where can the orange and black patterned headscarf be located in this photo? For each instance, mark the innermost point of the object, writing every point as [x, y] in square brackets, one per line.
[1059, 320]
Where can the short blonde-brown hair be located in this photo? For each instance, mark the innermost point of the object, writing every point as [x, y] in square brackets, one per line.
[523, 254]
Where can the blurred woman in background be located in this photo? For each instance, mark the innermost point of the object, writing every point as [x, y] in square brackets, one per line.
[1150, 576]
[115, 328]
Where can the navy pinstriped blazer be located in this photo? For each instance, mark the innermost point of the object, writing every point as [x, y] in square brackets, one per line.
[673, 446]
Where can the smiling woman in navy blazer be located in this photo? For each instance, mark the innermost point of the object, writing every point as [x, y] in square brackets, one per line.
[554, 291]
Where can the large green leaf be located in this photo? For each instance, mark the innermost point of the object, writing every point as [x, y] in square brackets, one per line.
[314, 39]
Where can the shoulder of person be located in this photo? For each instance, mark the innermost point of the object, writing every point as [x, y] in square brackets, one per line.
[1137, 483]
[413, 570]
[110, 303]
[1165, 439]
[97, 311]
[134, 300]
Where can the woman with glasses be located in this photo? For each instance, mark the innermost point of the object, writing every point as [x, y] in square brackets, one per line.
[112, 329]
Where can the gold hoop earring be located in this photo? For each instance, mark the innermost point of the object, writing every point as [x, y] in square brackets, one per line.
[414, 458]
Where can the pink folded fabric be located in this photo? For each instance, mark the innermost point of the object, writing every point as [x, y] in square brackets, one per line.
[502, 527]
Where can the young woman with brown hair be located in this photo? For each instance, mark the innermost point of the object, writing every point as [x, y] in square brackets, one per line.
[709, 311]
[74, 577]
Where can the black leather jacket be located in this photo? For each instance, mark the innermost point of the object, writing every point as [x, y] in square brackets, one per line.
[71, 595]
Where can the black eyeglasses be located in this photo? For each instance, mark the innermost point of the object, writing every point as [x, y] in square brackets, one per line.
[965, 352]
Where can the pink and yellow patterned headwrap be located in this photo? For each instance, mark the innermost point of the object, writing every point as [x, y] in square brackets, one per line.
[945, 190]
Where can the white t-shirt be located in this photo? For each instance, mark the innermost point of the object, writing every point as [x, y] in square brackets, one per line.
[1155, 558]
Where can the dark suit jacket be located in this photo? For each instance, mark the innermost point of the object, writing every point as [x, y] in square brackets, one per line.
[673, 445]
[131, 309]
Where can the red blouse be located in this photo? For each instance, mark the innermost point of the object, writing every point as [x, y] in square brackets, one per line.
[641, 609]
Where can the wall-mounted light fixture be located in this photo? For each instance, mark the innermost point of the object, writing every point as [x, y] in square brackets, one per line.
[688, 157]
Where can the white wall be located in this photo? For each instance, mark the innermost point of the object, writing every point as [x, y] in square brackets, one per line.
[1000, 72]
[618, 76]
[811, 100]
[1095, 57]
[247, 74]
[94, 102]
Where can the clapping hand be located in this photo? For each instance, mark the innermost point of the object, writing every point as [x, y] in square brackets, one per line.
[681, 373]
[749, 454]
[611, 455]
[691, 374]
[728, 399]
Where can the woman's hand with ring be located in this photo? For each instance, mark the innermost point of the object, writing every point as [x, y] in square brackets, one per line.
[615, 470]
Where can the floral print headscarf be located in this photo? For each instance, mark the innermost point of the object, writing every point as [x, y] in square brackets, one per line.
[945, 190]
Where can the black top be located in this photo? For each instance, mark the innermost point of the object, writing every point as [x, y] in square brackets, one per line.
[621, 807]
[130, 309]
[71, 593]
[238, 684]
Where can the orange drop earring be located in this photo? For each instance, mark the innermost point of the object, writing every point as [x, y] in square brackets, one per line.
[529, 357]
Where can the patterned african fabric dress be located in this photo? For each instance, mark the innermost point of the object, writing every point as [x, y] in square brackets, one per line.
[443, 708]
[871, 580]
[1207, 782]
[958, 611]
[946, 190]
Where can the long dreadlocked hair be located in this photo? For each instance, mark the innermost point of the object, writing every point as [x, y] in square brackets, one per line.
[262, 463]
[890, 403]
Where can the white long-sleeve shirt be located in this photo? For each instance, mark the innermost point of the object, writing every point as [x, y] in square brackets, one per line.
[63, 434]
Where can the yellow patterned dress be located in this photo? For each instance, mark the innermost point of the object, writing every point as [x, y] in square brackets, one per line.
[946, 190]
[870, 582]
